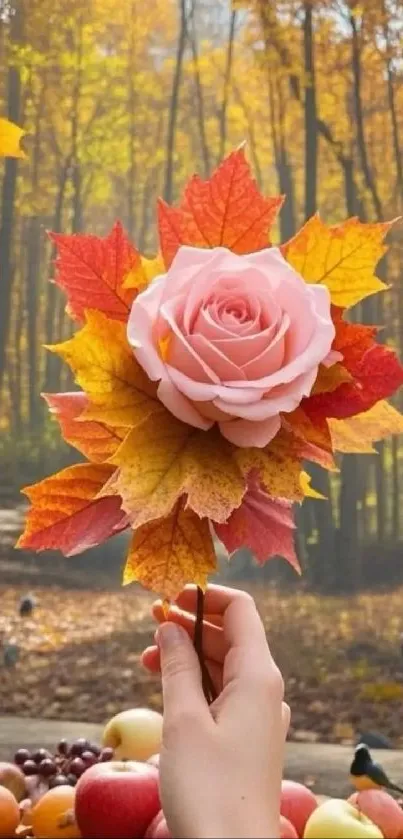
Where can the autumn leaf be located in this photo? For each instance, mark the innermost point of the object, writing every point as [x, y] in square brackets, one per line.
[316, 435]
[357, 434]
[264, 525]
[376, 375]
[330, 378]
[167, 554]
[95, 273]
[343, 257]
[227, 210]
[95, 440]
[307, 489]
[10, 138]
[66, 513]
[162, 459]
[151, 268]
[119, 391]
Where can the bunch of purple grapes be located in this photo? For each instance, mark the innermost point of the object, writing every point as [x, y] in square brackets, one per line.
[65, 766]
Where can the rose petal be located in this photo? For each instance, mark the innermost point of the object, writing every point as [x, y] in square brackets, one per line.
[245, 433]
[272, 357]
[285, 398]
[180, 354]
[180, 407]
[223, 368]
[140, 330]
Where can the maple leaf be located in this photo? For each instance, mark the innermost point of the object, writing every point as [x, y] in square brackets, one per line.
[162, 459]
[227, 210]
[343, 257]
[376, 375]
[330, 378]
[316, 435]
[167, 554]
[263, 524]
[10, 139]
[119, 391]
[357, 434]
[95, 273]
[66, 513]
[95, 440]
[308, 490]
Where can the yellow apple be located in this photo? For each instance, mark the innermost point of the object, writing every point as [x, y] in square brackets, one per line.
[338, 819]
[134, 734]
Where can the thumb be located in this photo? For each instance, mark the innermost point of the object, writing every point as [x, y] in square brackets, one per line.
[180, 671]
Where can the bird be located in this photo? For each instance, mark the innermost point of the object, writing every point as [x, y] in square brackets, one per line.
[366, 774]
[27, 606]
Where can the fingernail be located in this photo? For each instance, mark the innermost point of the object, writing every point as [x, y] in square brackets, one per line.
[169, 634]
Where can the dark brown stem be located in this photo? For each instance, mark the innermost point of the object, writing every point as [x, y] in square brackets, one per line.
[207, 682]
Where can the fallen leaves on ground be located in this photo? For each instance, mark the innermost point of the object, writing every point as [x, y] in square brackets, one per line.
[80, 651]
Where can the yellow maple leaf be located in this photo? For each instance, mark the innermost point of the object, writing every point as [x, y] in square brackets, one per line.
[162, 459]
[166, 554]
[119, 391]
[278, 465]
[307, 489]
[357, 434]
[343, 257]
[10, 138]
[144, 273]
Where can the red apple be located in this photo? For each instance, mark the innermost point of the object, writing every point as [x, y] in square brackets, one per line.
[287, 829]
[117, 800]
[297, 804]
[158, 829]
[382, 809]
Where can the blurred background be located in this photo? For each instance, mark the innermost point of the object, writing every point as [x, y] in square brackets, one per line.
[121, 102]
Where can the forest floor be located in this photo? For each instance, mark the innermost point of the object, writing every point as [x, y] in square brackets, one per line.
[78, 658]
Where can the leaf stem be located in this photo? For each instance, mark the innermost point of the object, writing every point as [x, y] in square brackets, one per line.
[207, 682]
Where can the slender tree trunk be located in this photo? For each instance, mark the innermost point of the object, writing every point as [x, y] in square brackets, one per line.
[393, 113]
[395, 491]
[311, 133]
[201, 122]
[32, 298]
[227, 87]
[174, 104]
[9, 193]
[131, 104]
[288, 224]
[52, 368]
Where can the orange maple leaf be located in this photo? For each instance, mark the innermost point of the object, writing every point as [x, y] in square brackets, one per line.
[96, 440]
[225, 211]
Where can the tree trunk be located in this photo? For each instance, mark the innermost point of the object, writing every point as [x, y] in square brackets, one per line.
[9, 193]
[288, 223]
[32, 298]
[393, 114]
[227, 87]
[311, 132]
[201, 122]
[131, 104]
[174, 104]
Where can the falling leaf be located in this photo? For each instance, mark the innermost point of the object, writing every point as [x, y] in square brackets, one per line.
[168, 553]
[330, 378]
[118, 389]
[95, 273]
[67, 515]
[163, 459]
[263, 524]
[10, 138]
[95, 440]
[358, 434]
[343, 257]
[227, 210]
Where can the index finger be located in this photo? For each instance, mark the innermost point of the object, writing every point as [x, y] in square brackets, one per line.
[216, 599]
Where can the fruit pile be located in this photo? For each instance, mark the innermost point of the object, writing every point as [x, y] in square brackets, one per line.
[85, 791]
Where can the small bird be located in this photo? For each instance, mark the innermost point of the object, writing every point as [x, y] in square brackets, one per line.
[27, 606]
[366, 774]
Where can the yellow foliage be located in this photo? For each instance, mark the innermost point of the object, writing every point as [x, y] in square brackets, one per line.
[10, 138]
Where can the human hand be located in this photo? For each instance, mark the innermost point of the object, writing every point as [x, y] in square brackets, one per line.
[220, 765]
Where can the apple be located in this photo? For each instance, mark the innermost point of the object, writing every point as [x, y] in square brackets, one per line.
[297, 804]
[158, 829]
[338, 819]
[382, 809]
[13, 779]
[287, 829]
[134, 734]
[117, 800]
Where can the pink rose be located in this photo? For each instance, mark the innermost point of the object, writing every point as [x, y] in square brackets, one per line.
[232, 339]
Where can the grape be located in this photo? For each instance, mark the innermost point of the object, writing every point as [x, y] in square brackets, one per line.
[106, 754]
[40, 755]
[63, 747]
[77, 767]
[96, 750]
[21, 756]
[72, 779]
[80, 745]
[29, 767]
[89, 758]
[57, 781]
[47, 767]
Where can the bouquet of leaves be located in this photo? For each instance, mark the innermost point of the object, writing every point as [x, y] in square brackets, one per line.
[207, 376]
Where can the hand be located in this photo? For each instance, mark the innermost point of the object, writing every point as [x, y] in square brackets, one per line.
[220, 765]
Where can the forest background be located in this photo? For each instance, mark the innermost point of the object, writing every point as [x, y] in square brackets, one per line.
[120, 103]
